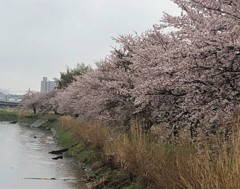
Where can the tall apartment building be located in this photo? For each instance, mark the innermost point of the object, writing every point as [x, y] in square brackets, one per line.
[47, 85]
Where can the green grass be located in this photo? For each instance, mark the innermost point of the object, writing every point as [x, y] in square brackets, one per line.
[8, 114]
[134, 185]
[26, 118]
[66, 138]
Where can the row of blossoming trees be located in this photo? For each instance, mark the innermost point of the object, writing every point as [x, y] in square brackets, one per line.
[186, 78]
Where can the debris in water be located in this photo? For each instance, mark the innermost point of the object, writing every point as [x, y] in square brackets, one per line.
[62, 150]
[13, 122]
[58, 157]
[53, 178]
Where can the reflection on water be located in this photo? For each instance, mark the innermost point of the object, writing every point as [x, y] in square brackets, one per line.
[24, 155]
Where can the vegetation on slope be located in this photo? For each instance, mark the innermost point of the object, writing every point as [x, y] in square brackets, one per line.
[8, 114]
[139, 158]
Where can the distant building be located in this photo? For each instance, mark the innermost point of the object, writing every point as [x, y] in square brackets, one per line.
[44, 84]
[14, 98]
[47, 85]
[10, 97]
[3, 97]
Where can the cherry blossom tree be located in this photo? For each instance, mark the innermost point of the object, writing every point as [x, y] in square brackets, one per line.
[188, 77]
[47, 102]
[210, 30]
[30, 101]
[103, 94]
[65, 100]
[43, 102]
[157, 92]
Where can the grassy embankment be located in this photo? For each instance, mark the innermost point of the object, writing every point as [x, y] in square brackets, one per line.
[154, 164]
[136, 160]
[7, 114]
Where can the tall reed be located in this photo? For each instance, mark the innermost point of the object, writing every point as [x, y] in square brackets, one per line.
[167, 165]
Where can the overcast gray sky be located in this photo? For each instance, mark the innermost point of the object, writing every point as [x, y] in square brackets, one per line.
[42, 37]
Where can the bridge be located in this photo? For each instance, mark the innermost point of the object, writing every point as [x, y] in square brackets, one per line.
[9, 104]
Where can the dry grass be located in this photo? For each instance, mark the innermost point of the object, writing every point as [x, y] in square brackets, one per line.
[95, 134]
[162, 165]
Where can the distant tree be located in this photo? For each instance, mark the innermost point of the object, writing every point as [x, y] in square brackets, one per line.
[69, 76]
[30, 101]
[104, 94]
[65, 99]
[41, 102]
[47, 102]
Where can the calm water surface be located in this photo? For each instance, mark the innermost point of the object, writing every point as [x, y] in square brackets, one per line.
[24, 154]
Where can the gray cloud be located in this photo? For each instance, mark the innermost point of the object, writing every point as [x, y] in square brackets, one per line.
[41, 37]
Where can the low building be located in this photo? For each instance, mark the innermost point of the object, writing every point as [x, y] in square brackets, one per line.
[3, 97]
[10, 97]
[14, 98]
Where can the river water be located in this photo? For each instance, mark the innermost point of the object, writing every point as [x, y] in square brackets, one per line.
[25, 162]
